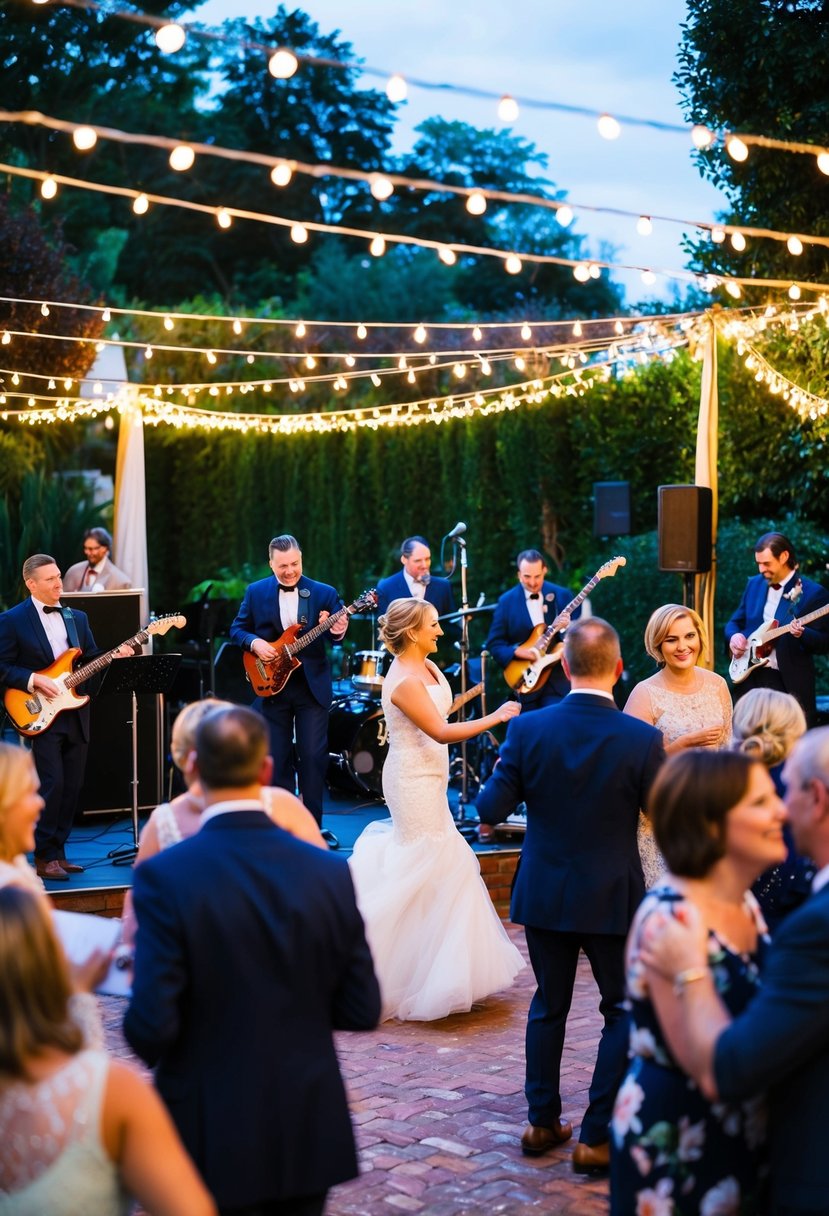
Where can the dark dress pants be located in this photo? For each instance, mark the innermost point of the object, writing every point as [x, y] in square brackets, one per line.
[554, 957]
[295, 714]
[60, 760]
[307, 1205]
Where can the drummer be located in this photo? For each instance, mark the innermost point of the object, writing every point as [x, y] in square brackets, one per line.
[416, 579]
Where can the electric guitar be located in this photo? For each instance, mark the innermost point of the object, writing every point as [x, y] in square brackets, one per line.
[761, 643]
[526, 677]
[464, 697]
[268, 677]
[32, 713]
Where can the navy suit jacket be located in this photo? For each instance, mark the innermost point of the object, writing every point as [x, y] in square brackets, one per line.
[258, 617]
[794, 655]
[438, 592]
[250, 951]
[780, 1043]
[511, 626]
[24, 648]
[584, 770]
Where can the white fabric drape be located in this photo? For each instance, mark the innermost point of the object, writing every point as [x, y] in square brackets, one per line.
[705, 585]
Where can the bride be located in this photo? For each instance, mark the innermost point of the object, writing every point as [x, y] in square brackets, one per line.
[437, 942]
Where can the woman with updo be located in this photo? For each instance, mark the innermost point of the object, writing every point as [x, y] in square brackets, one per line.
[436, 939]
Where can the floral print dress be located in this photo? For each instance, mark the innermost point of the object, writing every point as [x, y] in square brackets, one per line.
[672, 1151]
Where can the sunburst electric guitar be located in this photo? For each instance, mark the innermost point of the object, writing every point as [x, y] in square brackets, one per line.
[269, 678]
[526, 677]
[32, 713]
[761, 643]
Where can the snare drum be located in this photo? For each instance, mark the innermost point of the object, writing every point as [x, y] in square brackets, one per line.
[358, 742]
[368, 667]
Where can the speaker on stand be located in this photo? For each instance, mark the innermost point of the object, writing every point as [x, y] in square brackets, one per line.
[685, 514]
[611, 508]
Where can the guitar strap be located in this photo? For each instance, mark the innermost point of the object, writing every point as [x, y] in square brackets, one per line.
[71, 627]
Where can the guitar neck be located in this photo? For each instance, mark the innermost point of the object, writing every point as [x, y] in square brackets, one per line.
[319, 629]
[462, 698]
[103, 660]
[804, 620]
[551, 630]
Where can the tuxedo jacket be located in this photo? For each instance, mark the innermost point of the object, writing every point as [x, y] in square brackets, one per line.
[438, 592]
[109, 577]
[584, 770]
[24, 648]
[250, 951]
[794, 655]
[780, 1044]
[258, 617]
[511, 626]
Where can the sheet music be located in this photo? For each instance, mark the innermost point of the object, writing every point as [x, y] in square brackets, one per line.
[81, 933]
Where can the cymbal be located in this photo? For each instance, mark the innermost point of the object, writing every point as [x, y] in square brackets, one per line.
[461, 612]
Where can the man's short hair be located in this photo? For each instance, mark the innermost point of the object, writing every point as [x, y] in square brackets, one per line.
[282, 544]
[100, 534]
[231, 744]
[35, 562]
[530, 555]
[591, 647]
[778, 543]
[809, 759]
[407, 548]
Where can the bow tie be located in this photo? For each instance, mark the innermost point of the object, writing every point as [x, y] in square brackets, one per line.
[51, 608]
[289, 589]
[534, 595]
[775, 586]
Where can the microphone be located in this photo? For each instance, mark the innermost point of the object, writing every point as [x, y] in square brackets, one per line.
[458, 530]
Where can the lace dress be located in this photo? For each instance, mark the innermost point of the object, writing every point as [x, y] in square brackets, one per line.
[437, 942]
[52, 1161]
[676, 714]
[673, 1151]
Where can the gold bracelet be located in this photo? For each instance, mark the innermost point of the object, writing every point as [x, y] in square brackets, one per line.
[684, 978]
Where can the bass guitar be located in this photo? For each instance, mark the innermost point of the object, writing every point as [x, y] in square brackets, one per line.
[761, 643]
[524, 677]
[32, 713]
[268, 677]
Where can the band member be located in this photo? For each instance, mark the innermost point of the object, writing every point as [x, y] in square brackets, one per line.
[32, 636]
[416, 579]
[300, 710]
[779, 592]
[97, 572]
[534, 601]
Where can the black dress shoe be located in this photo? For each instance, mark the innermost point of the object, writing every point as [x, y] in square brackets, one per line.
[538, 1140]
[591, 1158]
[52, 870]
[70, 867]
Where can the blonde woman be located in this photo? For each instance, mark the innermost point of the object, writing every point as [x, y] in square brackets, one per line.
[78, 1132]
[437, 942]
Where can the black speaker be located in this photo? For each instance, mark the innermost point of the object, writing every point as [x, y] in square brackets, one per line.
[611, 508]
[685, 528]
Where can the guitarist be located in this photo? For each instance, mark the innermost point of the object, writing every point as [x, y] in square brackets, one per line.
[32, 636]
[300, 709]
[535, 601]
[778, 592]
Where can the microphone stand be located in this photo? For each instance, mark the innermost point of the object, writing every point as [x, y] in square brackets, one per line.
[463, 797]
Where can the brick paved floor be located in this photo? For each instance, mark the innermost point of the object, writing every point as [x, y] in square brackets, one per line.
[438, 1109]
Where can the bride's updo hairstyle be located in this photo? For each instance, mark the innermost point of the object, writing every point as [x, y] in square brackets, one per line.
[662, 623]
[767, 724]
[402, 618]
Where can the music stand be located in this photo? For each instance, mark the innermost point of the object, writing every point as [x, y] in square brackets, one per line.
[145, 673]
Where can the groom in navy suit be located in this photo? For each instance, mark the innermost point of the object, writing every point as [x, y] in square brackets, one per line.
[250, 951]
[584, 770]
[300, 710]
[779, 592]
[780, 1043]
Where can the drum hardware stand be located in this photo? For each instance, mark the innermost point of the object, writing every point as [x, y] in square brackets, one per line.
[466, 828]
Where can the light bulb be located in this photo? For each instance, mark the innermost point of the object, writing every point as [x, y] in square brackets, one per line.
[282, 64]
[577, 329]
[420, 334]
[581, 272]
[735, 148]
[412, 379]
[519, 363]
[794, 245]
[362, 332]
[486, 367]
[526, 332]
[396, 88]
[619, 328]
[310, 362]
[594, 271]
[701, 136]
[300, 330]
[476, 333]
[48, 187]
[375, 380]
[148, 352]
[299, 234]
[281, 173]
[402, 363]
[608, 127]
[223, 218]
[170, 38]
[823, 162]
[106, 315]
[733, 290]
[182, 158]
[211, 358]
[350, 360]
[84, 138]
[44, 310]
[6, 339]
[738, 241]
[794, 292]
[377, 247]
[512, 264]
[644, 225]
[169, 323]
[718, 235]
[237, 327]
[507, 108]
[476, 203]
[564, 215]
[648, 277]
[459, 370]
[381, 187]
[140, 204]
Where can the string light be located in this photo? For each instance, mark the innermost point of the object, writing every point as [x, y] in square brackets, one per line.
[823, 162]
[362, 332]
[223, 218]
[377, 247]
[44, 310]
[581, 272]
[170, 38]
[717, 235]
[48, 187]
[476, 203]
[736, 148]
[508, 109]
[447, 255]
[526, 332]
[84, 138]
[420, 334]
[300, 330]
[608, 127]
[644, 225]
[564, 215]
[381, 187]
[701, 136]
[738, 241]
[141, 205]
[512, 264]
[299, 234]
[182, 158]
[396, 88]
[281, 173]
[794, 246]
[283, 64]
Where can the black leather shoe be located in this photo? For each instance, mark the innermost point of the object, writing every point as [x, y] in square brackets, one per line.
[538, 1140]
[70, 867]
[591, 1158]
[51, 870]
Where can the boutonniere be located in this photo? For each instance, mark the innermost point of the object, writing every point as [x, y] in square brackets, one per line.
[550, 596]
[795, 594]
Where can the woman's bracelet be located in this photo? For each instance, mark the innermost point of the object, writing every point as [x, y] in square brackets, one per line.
[684, 978]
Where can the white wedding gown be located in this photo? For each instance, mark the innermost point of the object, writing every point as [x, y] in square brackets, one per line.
[437, 942]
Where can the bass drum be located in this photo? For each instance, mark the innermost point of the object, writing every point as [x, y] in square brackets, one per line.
[357, 742]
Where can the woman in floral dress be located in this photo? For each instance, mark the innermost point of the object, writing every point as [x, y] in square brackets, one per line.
[719, 823]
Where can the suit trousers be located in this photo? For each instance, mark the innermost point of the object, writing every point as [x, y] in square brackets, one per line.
[60, 759]
[298, 727]
[554, 957]
[306, 1205]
